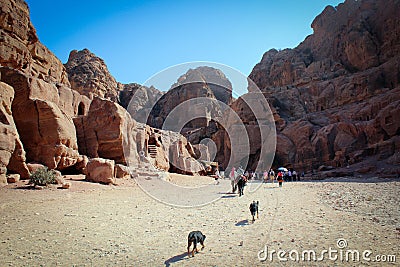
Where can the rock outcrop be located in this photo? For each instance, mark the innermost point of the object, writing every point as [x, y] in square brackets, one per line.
[44, 119]
[108, 131]
[49, 119]
[20, 48]
[12, 153]
[139, 100]
[204, 91]
[215, 79]
[89, 75]
[335, 95]
[353, 37]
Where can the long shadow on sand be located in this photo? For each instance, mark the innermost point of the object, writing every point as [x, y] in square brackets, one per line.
[229, 196]
[175, 259]
[242, 223]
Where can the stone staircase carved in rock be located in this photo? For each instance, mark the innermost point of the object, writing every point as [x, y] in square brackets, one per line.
[152, 149]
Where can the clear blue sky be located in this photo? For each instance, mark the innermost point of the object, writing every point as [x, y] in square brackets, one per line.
[140, 38]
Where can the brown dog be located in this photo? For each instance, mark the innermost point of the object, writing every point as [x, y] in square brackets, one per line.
[195, 237]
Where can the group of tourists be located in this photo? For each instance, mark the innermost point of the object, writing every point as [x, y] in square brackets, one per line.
[239, 177]
[282, 175]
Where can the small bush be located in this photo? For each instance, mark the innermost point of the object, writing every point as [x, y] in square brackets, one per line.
[43, 177]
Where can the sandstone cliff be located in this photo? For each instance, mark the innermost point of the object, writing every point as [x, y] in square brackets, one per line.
[139, 99]
[335, 95]
[46, 119]
[196, 84]
[20, 47]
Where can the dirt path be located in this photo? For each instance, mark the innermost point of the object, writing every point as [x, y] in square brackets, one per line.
[96, 225]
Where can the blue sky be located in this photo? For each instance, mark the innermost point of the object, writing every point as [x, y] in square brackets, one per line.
[137, 39]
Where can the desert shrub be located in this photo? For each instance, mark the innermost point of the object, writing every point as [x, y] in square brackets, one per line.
[43, 176]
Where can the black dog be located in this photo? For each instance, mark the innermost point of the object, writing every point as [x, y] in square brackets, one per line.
[254, 209]
[241, 183]
[195, 237]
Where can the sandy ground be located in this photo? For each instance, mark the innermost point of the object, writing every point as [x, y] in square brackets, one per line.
[98, 225]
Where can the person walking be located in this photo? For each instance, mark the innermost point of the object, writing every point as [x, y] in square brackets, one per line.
[272, 175]
[280, 178]
[217, 176]
[232, 178]
[265, 176]
[294, 174]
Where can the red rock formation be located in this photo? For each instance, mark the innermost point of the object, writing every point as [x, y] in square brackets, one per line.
[47, 132]
[202, 82]
[108, 131]
[335, 95]
[100, 171]
[20, 47]
[139, 100]
[215, 79]
[12, 154]
[89, 75]
[37, 96]
[43, 104]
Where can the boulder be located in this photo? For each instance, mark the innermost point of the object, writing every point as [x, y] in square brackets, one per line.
[59, 178]
[13, 178]
[100, 171]
[121, 171]
[66, 185]
[3, 177]
[80, 166]
[33, 167]
[105, 131]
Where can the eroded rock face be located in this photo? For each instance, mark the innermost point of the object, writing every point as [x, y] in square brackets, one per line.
[108, 131]
[339, 136]
[20, 47]
[334, 96]
[139, 100]
[102, 133]
[47, 132]
[189, 93]
[355, 36]
[89, 75]
[215, 79]
[12, 154]
[178, 97]
[43, 107]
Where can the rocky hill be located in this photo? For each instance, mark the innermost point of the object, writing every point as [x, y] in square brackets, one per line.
[336, 96]
[201, 82]
[215, 79]
[89, 75]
